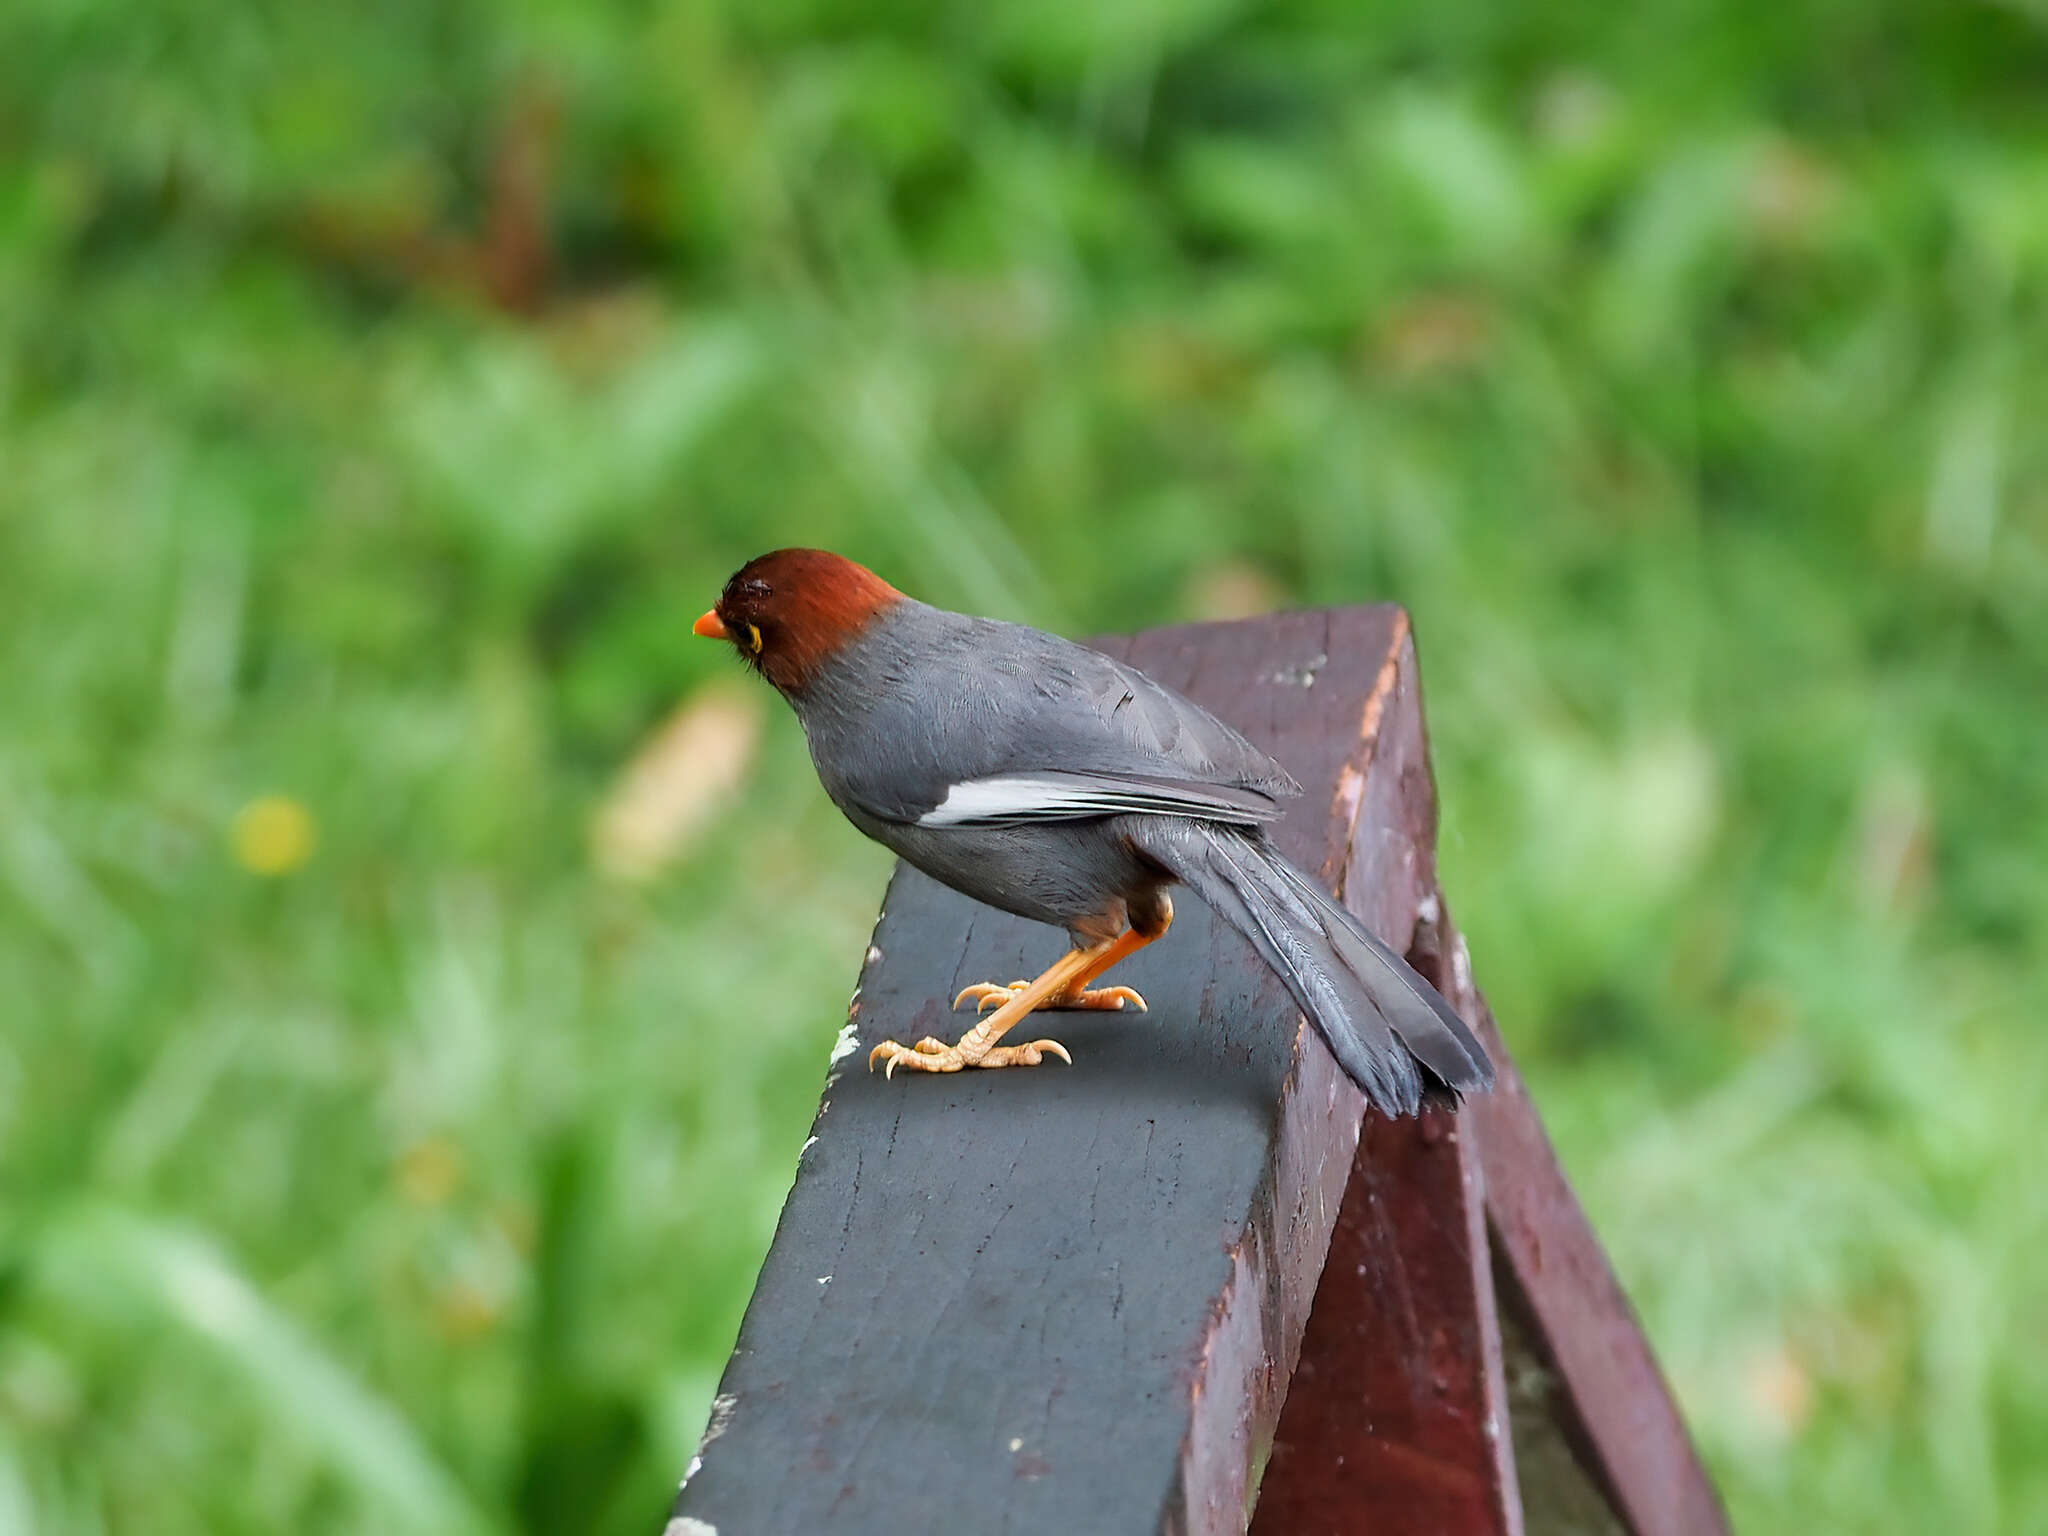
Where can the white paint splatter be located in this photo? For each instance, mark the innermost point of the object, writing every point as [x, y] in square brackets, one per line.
[874, 954]
[683, 1525]
[721, 1419]
[808, 1144]
[1017, 1444]
[847, 1043]
[1301, 676]
[824, 1279]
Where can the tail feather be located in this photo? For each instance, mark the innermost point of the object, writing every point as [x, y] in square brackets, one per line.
[1420, 1015]
[1389, 1029]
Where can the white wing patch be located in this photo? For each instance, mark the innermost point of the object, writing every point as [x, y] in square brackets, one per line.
[1008, 799]
[1011, 797]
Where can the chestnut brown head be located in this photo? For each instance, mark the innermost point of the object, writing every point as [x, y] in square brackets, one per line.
[787, 612]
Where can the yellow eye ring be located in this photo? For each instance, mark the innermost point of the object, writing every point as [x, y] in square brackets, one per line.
[754, 639]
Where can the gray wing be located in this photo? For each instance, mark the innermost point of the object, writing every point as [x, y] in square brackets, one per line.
[967, 721]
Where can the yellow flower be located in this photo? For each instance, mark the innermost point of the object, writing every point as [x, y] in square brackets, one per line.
[273, 835]
[429, 1171]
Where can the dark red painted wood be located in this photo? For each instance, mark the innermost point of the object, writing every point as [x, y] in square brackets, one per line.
[1396, 1420]
[1632, 1436]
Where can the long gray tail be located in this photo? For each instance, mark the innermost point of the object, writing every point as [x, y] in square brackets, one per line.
[1388, 1028]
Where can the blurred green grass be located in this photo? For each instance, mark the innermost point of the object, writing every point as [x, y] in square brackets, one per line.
[383, 389]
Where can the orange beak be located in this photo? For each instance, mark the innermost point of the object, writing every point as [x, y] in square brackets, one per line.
[711, 627]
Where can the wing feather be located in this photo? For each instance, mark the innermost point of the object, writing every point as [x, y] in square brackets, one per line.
[1013, 799]
[944, 720]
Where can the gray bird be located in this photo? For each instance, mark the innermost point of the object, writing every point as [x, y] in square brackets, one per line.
[1051, 781]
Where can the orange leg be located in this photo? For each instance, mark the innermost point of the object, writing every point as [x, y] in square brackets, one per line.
[988, 994]
[1062, 983]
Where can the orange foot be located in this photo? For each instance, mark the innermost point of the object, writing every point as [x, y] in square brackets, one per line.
[930, 1055]
[993, 994]
[1064, 985]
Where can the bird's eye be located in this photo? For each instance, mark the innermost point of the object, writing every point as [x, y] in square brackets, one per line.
[754, 638]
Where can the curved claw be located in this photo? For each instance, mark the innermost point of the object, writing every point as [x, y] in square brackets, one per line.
[1029, 1054]
[986, 992]
[1114, 998]
[928, 1055]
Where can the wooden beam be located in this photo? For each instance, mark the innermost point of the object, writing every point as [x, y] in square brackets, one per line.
[1066, 1300]
[1459, 1235]
[1397, 1421]
[1075, 1300]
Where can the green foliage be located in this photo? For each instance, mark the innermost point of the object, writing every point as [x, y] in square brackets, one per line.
[382, 389]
